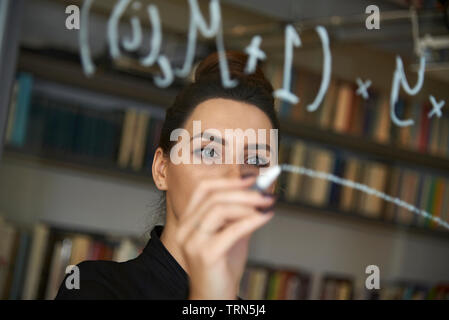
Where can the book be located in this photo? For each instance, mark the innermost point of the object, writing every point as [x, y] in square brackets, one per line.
[438, 201]
[285, 107]
[423, 199]
[328, 107]
[273, 284]
[383, 122]
[292, 286]
[12, 111]
[126, 250]
[404, 134]
[319, 188]
[138, 150]
[80, 248]
[35, 262]
[20, 266]
[60, 259]
[313, 81]
[409, 188]
[424, 128]
[336, 287]
[152, 141]
[294, 180]
[8, 244]
[343, 107]
[393, 189]
[443, 137]
[21, 110]
[284, 155]
[375, 178]
[260, 278]
[355, 125]
[445, 206]
[306, 181]
[339, 165]
[352, 172]
[127, 138]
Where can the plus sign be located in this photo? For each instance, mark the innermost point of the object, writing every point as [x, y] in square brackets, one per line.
[254, 54]
[437, 106]
[363, 88]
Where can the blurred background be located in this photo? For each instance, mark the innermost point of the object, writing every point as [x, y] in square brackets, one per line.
[76, 151]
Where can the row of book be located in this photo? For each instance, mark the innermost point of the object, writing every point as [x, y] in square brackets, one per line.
[33, 263]
[346, 112]
[336, 287]
[423, 190]
[33, 260]
[409, 290]
[263, 282]
[44, 124]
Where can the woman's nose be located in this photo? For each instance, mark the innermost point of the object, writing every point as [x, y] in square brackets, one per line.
[241, 171]
[248, 170]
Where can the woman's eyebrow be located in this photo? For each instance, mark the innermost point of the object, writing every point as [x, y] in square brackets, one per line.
[222, 141]
[259, 146]
[205, 134]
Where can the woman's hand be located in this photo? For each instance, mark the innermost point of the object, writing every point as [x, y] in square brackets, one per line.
[214, 231]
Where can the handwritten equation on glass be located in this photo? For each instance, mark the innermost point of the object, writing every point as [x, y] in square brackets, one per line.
[214, 30]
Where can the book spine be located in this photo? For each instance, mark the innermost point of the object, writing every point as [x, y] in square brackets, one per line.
[22, 109]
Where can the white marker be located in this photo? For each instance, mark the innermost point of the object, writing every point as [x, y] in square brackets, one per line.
[263, 181]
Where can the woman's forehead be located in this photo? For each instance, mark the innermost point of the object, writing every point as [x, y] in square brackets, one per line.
[222, 114]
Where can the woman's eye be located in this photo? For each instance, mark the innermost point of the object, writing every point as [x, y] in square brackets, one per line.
[261, 162]
[208, 152]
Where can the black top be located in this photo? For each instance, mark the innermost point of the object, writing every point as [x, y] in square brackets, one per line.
[154, 274]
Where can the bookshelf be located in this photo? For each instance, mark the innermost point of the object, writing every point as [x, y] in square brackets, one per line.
[122, 80]
[319, 137]
[77, 164]
[34, 262]
[355, 217]
[262, 281]
[111, 171]
[35, 256]
[364, 146]
[64, 69]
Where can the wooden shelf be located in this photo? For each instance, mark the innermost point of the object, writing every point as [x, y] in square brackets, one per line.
[79, 164]
[302, 208]
[111, 82]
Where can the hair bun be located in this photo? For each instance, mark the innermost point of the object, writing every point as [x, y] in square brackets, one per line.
[209, 68]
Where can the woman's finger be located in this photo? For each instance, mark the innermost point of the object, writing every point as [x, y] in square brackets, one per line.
[209, 185]
[221, 214]
[248, 198]
[225, 239]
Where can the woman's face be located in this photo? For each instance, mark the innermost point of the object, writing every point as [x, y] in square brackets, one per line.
[244, 155]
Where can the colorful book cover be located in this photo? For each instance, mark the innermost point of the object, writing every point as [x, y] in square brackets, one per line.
[22, 109]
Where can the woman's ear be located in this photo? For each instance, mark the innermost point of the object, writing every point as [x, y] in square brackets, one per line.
[159, 169]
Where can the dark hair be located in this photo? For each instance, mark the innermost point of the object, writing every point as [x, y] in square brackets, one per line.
[253, 89]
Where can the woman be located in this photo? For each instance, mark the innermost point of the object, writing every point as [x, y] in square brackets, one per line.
[201, 251]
